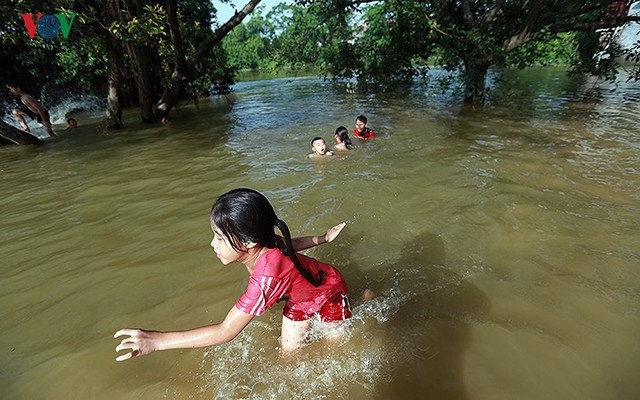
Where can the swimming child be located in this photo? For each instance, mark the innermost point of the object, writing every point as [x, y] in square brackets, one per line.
[361, 131]
[32, 108]
[71, 123]
[243, 224]
[319, 148]
[343, 141]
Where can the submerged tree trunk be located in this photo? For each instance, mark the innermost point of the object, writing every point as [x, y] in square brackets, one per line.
[475, 78]
[143, 58]
[115, 67]
[145, 73]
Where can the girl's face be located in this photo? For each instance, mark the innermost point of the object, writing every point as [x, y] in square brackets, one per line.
[223, 249]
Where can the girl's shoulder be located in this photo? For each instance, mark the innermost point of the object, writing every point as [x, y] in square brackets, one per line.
[340, 146]
[270, 260]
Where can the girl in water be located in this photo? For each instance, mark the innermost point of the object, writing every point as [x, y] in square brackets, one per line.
[343, 142]
[243, 223]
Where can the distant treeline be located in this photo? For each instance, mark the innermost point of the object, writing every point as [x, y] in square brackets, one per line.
[153, 53]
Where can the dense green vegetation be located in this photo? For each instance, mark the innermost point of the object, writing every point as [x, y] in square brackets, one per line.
[155, 52]
[387, 43]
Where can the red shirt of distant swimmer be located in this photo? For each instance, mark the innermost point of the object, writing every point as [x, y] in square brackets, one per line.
[366, 134]
[361, 131]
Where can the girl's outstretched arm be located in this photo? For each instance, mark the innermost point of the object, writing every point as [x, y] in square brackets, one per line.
[140, 342]
[306, 242]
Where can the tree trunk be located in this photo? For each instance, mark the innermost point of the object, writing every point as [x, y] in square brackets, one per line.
[145, 74]
[475, 77]
[115, 66]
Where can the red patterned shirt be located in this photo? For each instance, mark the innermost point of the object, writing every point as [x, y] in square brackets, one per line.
[276, 278]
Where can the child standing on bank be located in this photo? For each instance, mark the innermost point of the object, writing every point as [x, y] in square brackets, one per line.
[243, 224]
[31, 108]
[361, 131]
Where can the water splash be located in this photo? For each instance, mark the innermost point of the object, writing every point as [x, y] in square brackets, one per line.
[247, 369]
[87, 104]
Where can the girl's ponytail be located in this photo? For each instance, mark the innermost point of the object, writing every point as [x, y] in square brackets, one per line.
[315, 281]
[343, 134]
[347, 141]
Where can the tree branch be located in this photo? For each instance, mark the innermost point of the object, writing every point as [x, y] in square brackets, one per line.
[520, 39]
[180, 60]
[490, 15]
[466, 12]
[207, 45]
[570, 15]
[589, 26]
[525, 35]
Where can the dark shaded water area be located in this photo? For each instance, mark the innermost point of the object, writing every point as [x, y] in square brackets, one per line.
[503, 243]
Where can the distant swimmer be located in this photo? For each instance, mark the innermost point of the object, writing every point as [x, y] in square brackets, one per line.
[71, 123]
[343, 141]
[319, 148]
[31, 108]
[361, 131]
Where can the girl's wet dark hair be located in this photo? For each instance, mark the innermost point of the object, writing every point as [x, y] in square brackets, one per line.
[343, 134]
[246, 216]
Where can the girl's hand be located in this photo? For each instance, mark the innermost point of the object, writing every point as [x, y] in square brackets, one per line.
[139, 341]
[307, 242]
[332, 233]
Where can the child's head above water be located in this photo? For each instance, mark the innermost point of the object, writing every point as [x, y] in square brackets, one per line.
[319, 147]
[361, 130]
